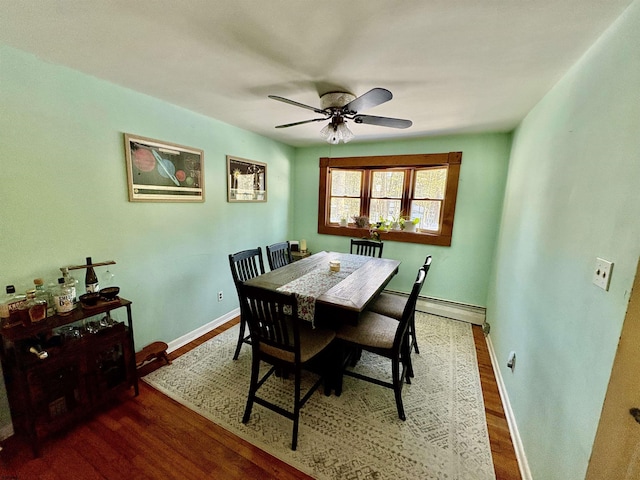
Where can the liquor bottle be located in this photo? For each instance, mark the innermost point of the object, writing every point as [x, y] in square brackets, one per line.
[91, 279]
[4, 306]
[34, 309]
[63, 298]
[9, 309]
[43, 293]
[70, 281]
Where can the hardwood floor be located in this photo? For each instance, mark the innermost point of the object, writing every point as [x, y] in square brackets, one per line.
[153, 437]
[504, 455]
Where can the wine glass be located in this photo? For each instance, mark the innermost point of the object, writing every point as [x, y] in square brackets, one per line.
[107, 279]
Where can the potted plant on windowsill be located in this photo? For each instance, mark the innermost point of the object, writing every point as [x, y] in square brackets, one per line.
[409, 225]
[362, 221]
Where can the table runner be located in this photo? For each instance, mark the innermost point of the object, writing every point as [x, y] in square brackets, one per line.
[314, 283]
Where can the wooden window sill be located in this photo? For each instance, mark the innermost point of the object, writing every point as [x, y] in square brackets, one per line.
[392, 235]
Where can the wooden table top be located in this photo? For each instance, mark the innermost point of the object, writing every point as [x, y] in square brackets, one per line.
[350, 296]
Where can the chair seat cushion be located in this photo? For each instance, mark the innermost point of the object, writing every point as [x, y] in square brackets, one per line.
[312, 342]
[373, 330]
[389, 304]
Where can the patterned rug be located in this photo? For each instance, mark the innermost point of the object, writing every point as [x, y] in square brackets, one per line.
[357, 435]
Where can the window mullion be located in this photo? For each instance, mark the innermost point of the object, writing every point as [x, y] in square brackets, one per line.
[366, 192]
[407, 192]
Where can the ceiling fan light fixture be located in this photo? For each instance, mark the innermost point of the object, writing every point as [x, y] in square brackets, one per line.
[334, 131]
[327, 132]
[344, 133]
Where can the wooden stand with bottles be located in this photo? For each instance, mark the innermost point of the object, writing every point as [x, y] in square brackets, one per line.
[76, 376]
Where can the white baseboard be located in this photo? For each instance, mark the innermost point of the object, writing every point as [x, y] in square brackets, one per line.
[445, 308]
[523, 464]
[198, 332]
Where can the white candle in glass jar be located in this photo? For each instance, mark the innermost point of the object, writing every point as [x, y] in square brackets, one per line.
[303, 245]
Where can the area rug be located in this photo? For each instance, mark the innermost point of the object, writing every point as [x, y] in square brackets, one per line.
[357, 435]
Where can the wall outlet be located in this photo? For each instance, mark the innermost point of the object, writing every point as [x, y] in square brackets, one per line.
[220, 296]
[602, 273]
[511, 361]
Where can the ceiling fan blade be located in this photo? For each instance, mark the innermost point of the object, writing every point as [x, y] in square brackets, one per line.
[372, 98]
[297, 104]
[383, 121]
[302, 123]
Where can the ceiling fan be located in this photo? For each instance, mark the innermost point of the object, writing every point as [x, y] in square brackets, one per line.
[338, 107]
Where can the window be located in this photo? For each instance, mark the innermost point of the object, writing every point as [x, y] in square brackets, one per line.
[388, 188]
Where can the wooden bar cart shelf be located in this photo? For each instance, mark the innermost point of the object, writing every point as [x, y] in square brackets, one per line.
[83, 369]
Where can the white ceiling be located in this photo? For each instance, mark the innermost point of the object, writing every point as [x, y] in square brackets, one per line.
[452, 66]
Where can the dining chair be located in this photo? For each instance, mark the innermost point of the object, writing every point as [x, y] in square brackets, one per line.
[284, 341]
[392, 305]
[244, 266]
[370, 248]
[384, 336]
[279, 255]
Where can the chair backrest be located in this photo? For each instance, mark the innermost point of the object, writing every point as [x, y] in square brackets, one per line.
[370, 248]
[410, 306]
[279, 255]
[246, 265]
[274, 330]
[427, 264]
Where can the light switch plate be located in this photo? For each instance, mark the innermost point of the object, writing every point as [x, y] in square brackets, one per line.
[602, 273]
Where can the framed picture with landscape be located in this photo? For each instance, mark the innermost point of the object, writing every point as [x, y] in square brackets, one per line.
[246, 180]
[159, 171]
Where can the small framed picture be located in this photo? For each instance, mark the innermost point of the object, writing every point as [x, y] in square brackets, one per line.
[159, 171]
[246, 180]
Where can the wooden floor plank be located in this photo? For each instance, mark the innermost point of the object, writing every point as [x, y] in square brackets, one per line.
[152, 436]
[504, 456]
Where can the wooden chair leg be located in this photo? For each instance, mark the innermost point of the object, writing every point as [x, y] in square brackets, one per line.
[296, 409]
[253, 388]
[243, 325]
[409, 369]
[343, 359]
[332, 372]
[408, 357]
[356, 354]
[405, 362]
[397, 387]
[412, 331]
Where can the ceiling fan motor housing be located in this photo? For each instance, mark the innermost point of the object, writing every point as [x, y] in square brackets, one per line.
[335, 100]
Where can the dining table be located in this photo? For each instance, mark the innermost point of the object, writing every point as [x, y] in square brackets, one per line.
[328, 295]
[328, 292]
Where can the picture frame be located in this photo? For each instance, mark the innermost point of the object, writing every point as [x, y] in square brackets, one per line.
[160, 171]
[246, 180]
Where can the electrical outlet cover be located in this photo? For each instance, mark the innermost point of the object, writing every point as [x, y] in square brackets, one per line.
[602, 273]
[511, 361]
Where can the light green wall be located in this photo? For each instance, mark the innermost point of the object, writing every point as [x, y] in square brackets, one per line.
[64, 197]
[573, 194]
[459, 272]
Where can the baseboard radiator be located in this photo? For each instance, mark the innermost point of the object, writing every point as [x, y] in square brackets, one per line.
[444, 308]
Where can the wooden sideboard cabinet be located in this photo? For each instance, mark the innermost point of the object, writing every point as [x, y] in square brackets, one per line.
[90, 361]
